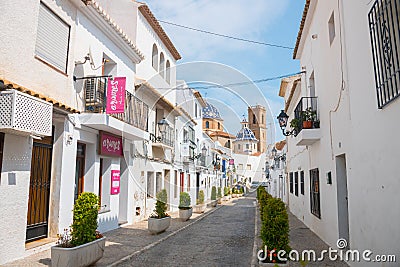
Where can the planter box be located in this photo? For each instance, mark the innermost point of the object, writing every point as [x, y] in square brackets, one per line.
[199, 208]
[157, 226]
[185, 214]
[213, 203]
[83, 255]
[219, 201]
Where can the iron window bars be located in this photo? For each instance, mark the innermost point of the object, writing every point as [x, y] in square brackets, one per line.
[384, 25]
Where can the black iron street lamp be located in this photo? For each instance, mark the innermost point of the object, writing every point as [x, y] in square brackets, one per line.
[283, 119]
[162, 127]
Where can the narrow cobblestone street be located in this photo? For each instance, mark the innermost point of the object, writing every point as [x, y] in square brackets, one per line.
[224, 238]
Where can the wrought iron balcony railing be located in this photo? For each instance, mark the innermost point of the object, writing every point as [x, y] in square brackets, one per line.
[306, 114]
[167, 138]
[136, 111]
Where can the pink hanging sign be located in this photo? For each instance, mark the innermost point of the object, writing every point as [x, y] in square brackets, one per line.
[116, 95]
[115, 179]
[110, 145]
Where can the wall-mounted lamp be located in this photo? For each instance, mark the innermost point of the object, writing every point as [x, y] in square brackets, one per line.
[283, 119]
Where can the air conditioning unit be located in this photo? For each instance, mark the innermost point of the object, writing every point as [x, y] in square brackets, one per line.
[21, 113]
[95, 90]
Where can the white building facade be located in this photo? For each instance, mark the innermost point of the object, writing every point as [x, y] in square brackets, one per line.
[349, 89]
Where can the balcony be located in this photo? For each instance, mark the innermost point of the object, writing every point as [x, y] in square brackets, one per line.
[162, 140]
[306, 121]
[133, 123]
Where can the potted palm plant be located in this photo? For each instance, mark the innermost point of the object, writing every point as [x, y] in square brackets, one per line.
[213, 196]
[200, 205]
[185, 210]
[83, 245]
[159, 221]
[226, 193]
[219, 195]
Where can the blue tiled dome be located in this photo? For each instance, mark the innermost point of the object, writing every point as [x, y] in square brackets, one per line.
[245, 134]
[211, 112]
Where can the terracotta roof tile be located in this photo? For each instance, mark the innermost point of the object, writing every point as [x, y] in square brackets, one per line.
[303, 21]
[146, 12]
[11, 85]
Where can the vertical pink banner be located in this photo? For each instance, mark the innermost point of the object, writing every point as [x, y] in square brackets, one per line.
[116, 95]
[115, 179]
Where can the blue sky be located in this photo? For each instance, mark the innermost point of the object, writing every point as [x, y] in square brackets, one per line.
[208, 59]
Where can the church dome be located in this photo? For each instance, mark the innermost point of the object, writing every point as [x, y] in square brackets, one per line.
[245, 134]
[211, 112]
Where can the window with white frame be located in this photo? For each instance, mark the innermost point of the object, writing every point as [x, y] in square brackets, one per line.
[52, 39]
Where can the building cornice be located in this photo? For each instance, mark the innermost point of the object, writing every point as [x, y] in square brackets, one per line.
[107, 25]
[302, 26]
[151, 19]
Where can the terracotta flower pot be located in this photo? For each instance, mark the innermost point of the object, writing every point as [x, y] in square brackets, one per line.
[307, 124]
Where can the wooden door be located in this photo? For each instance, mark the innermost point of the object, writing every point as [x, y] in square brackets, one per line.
[80, 169]
[39, 189]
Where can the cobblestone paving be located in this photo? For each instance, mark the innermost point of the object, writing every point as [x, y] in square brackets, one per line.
[224, 238]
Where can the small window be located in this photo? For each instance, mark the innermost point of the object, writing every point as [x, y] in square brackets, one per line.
[162, 62]
[254, 119]
[248, 167]
[154, 62]
[168, 72]
[207, 125]
[219, 125]
[302, 182]
[331, 26]
[291, 182]
[240, 167]
[195, 110]
[1, 150]
[296, 183]
[52, 39]
[247, 146]
[239, 146]
[315, 193]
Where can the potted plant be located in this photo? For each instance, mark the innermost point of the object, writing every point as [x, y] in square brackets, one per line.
[159, 221]
[235, 193]
[308, 116]
[213, 196]
[200, 205]
[226, 193]
[185, 211]
[241, 191]
[295, 124]
[274, 231]
[219, 195]
[83, 245]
